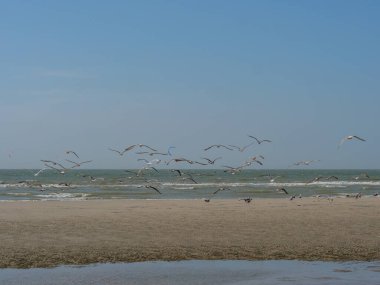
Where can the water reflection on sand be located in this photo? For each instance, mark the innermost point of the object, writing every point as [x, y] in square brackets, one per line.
[201, 272]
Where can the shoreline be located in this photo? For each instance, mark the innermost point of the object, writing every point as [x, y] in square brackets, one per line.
[56, 233]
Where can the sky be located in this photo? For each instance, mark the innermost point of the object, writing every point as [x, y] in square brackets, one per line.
[93, 75]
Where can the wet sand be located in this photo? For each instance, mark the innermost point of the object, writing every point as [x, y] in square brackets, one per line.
[50, 233]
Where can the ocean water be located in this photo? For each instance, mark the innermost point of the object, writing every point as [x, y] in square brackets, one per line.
[191, 184]
[202, 272]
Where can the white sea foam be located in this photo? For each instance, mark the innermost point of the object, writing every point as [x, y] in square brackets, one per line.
[62, 196]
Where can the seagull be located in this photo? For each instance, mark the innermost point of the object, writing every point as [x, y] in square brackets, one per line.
[154, 188]
[304, 162]
[241, 149]
[258, 140]
[232, 170]
[53, 162]
[180, 173]
[283, 190]
[61, 171]
[321, 177]
[185, 160]
[129, 171]
[254, 159]
[92, 178]
[118, 151]
[189, 178]
[247, 200]
[73, 152]
[39, 171]
[350, 138]
[362, 175]
[139, 145]
[217, 146]
[211, 161]
[78, 164]
[221, 189]
[207, 200]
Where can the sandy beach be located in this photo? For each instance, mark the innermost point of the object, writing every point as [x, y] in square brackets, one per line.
[50, 233]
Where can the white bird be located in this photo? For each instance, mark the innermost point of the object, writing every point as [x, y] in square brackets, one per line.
[39, 171]
[350, 138]
[304, 162]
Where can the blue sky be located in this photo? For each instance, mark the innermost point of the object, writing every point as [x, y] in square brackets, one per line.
[88, 75]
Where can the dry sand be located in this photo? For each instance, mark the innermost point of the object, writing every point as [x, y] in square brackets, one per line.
[42, 233]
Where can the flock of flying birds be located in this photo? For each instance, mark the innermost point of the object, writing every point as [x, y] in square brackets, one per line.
[151, 164]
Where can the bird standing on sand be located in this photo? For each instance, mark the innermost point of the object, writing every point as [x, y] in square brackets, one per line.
[247, 200]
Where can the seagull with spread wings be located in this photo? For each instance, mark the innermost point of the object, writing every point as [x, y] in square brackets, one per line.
[217, 146]
[72, 152]
[351, 137]
[259, 141]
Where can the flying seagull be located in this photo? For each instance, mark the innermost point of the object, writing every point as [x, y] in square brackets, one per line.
[221, 189]
[211, 161]
[118, 151]
[304, 162]
[282, 189]
[139, 145]
[73, 152]
[77, 164]
[258, 140]
[241, 149]
[350, 138]
[154, 188]
[217, 146]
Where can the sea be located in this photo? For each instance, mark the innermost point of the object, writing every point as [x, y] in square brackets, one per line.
[82, 184]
